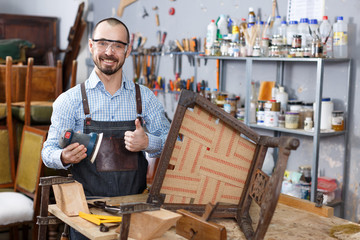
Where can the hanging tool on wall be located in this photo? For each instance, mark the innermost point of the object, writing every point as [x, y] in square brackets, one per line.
[145, 14]
[122, 5]
[156, 9]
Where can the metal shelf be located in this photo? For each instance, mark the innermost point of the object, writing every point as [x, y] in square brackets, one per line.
[298, 131]
[317, 133]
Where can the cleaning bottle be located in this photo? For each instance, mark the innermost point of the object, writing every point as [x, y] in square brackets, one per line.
[340, 45]
[282, 97]
[210, 35]
[222, 25]
[326, 37]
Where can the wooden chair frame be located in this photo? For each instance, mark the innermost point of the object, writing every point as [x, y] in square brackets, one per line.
[23, 164]
[259, 187]
[9, 125]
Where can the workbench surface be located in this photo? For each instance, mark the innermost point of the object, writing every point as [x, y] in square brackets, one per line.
[287, 223]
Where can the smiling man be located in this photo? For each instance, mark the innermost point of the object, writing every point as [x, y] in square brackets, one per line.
[130, 117]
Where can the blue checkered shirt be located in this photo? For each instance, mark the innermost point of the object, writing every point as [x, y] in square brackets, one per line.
[68, 113]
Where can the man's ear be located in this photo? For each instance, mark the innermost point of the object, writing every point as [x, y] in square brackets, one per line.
[128, 51]
[91, 45]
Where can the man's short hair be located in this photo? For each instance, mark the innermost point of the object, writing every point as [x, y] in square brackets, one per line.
[113, 21]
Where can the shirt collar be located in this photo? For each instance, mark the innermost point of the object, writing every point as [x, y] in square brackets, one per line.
[94, 80]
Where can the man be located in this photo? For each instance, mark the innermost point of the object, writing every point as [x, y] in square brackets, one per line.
[107, 102]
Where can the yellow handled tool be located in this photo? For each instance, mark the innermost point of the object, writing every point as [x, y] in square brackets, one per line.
[99, 219]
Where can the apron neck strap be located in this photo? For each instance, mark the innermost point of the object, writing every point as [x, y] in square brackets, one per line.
[138, 102]
[86, 103]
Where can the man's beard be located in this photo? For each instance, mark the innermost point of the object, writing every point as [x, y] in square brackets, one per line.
[107, 70]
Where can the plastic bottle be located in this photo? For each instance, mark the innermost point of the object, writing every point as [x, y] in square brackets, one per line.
[222, 25]
[283, 98]
[282, 31]
[340, 45]
[208, 93]
[326, 37]
[251, 16]
[303, 30]
[291, 31]
[313, 24]
[242, 26]
[276, 26]
[211, 33]
[235, 30]
[214, 95]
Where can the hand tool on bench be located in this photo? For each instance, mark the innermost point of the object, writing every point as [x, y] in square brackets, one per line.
[126, 209]
[192, 226]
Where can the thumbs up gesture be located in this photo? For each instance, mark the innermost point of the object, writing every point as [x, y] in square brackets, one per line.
[137, 140]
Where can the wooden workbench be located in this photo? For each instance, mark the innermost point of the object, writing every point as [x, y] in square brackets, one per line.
[287, 222]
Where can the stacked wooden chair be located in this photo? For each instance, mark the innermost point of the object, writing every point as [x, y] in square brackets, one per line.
[19, 206]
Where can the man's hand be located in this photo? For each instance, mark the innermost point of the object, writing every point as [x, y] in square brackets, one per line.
[137, 140]
[73, 153]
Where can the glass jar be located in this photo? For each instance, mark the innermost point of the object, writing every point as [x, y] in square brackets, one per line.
[281, 120]
[234, 50]
[291, 120]
[292, 52]
[299, 53]
[232, 101]
[296, 42]
[221, 99]
[316, 48]
[224, 48]
[274, 51]
[215, 49]
[264, 47]
[337, 121]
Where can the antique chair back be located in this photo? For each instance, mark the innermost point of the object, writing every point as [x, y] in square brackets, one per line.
[211, 157]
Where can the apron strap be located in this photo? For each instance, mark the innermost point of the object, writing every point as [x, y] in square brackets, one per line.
[138, 102]
[85, 103]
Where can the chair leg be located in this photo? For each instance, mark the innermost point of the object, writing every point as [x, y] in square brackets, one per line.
[53, 231]
[25, 232]
[14, 233]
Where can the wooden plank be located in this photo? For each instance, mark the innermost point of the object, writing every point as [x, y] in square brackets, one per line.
[306, 205]
[70, 198]
[88, 229]
[152, 224]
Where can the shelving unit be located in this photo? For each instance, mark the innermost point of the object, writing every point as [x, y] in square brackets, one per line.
[316, 135]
